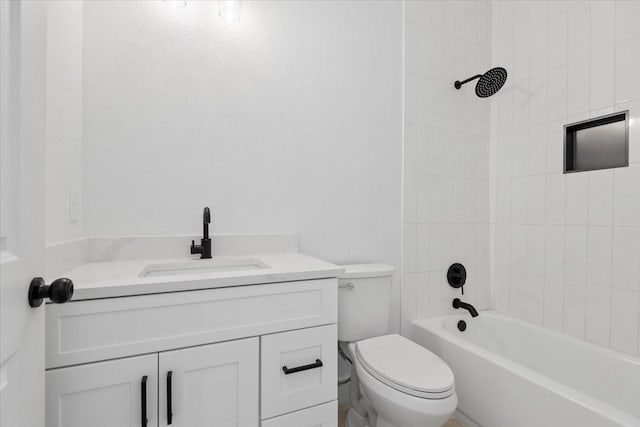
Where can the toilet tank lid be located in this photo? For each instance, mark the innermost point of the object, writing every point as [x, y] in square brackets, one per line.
[353, 271]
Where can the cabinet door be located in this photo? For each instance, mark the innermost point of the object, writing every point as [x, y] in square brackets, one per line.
[212, 385]
[104, 394]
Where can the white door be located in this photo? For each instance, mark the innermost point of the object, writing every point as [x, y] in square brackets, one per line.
[210, 386]
[22, 216]
[117, 393]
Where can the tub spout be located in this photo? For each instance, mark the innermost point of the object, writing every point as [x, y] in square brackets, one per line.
[461, 304]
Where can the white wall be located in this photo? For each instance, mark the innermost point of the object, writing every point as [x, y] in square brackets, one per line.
[64, 119]
[567, 247]
[446, 157]
[288, 121]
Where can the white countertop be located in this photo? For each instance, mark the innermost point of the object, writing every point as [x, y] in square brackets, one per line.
[110, 279]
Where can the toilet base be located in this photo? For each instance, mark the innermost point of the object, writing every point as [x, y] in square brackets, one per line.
[355, 420]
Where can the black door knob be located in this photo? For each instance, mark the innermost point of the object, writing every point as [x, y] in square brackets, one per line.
[60, 291]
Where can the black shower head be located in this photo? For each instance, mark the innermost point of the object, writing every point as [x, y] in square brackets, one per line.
[488, 84]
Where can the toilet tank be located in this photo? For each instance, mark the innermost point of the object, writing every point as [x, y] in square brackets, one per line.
[364, 295]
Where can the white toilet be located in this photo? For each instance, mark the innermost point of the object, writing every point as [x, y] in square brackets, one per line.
[394, 381]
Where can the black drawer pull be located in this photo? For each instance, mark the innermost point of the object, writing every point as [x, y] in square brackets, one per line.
[143, 398]
[169, 410]
[287, 371]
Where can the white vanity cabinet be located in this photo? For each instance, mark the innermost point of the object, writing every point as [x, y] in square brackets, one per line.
[104, 394]
[202, 357]
[215, 384]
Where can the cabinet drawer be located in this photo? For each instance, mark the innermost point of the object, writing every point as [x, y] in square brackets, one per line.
[92, 330]
[298, 369]
[325, 415]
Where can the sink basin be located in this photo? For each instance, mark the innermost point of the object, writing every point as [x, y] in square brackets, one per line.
[201, 267]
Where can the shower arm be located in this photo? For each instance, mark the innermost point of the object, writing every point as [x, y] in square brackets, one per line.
[458, 84]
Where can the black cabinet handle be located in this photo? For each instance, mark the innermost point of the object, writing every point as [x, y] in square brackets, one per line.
[169, 410]
[143, 398]
[317, 364]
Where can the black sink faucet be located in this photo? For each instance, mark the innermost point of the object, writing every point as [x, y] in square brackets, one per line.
[204, 248]
[460, 304]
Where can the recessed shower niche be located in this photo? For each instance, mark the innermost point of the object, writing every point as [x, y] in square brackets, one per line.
[599, 143]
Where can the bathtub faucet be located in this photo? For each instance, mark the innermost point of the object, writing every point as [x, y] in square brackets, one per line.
[461, 304]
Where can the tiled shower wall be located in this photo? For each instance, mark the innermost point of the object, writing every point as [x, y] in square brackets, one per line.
[567, 246]
[446, 158]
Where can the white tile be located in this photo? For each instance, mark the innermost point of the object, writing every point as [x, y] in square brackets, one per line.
[624, 320]
[537, 149]
[578, 24]
[555, 197]
[600, 197]
[555, 145]
[535, 250]
[503, 201]
[599, 250]
[554, 303]
[502, 258]
[598, 314]
[627, 61]
[538, 92]
[411, 49]
[558, 34]
[408, 297]
[575, 301]
[422, 243]
[520, 153]
[602, 24]
[536, 199]
[518, 297]
[578, 85]
[535, 296]
[434, 207]
[554, 251]
[409, 192]
[519, 192]
[434, 247]
[627, 13]
[422, 296]
[457, 212]
[409, 248]
[602, 78]
[576, 196]
[422, 199]
[423, 150]
[411, 140]
[519, 248]
[501, 290]
[576, 253]
[626, 258]
[435, 286]
[627, 196]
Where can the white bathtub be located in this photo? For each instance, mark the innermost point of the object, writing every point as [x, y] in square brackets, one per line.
[509, 373]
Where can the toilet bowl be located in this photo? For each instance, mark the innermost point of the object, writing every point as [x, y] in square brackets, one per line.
[394, 381]
[406, 385]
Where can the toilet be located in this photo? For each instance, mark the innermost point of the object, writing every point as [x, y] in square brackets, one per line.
[394, 381]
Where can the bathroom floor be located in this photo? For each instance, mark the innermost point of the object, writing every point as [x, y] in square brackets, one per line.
[342, 415]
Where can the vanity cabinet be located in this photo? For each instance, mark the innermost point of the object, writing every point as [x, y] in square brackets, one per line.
[196, 385]
[249, 356]
[104, 394]
[214, 382]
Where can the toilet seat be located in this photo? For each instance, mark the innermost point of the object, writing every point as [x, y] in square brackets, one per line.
[405, 366]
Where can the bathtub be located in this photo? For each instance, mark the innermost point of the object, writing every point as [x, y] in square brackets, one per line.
[510, 373]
